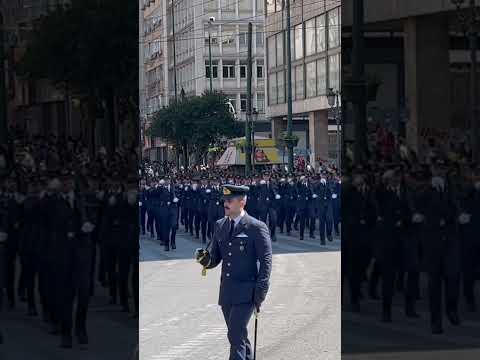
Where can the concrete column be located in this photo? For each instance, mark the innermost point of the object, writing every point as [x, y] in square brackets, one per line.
[278, 127]
[427, 75]
[318, 136]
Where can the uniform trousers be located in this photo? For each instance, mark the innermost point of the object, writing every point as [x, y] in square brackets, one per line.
[237, 318]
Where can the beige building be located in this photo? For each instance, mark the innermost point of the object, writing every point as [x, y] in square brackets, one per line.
[315, 52]
[419, 53]
[191, 66]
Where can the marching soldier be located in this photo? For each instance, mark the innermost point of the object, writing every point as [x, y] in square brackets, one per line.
[304, 195]
[239, 241]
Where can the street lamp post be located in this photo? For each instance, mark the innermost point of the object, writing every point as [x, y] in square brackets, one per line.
[289, 90]
[470, 22]
[210, 22]
[254, 120]
[333, 102]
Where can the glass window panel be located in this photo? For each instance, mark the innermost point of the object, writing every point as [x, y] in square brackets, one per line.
[259, 37]
[260, 103]
[281, 87]
[243, 71]
[270, 6]
[299, 89]
[260, 6]
[321, 43]
[272, 89]
[333, 29]
[311, 79]
[310, 37]
[279, 38]
[228, 5]
[321, 77]
[334, 72]
[298, 42]
[272, 58]
[243, 102]
[292, 42]
[259, 72]
[242, 39]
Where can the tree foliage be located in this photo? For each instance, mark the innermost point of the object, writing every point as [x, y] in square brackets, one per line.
[194, 124]
[91, 48]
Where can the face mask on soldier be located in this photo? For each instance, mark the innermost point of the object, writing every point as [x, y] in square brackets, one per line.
[131, 197]
[477, 185]
[438, 182]
[112, 200]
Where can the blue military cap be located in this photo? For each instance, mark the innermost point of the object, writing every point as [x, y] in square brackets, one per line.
[232, 191]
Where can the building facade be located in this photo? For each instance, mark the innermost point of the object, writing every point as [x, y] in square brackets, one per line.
[315, 54]
[176, 52]
[419, 54]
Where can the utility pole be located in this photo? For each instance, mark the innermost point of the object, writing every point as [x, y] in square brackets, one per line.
[174, 51]
[248, 129]
[289, 91]
[3, 93]
[358, 75]
[210, 22]
[472, 40]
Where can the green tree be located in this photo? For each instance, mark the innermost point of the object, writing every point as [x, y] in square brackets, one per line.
[90, 47]
[195, 124]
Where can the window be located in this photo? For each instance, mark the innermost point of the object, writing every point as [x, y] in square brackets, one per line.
[292, 42]
[334, 72]
[229, 71]
[244, 5]
[272, 58]
[299, 91]
[259, 72]
[228, 5]
[272, 89]
[310, 37]
[228, 39]
[311, 79]
[261, 103]
[243, 102]
[214, 39]
[321, 77]
[243, 71]
[298, 42]
[214, 70]
[259, 37]
[260, 6]
[233, 101]
[279, 40]
[281, 87]
[243, 38]
[333, 29]
[321, 43]
[270, 6]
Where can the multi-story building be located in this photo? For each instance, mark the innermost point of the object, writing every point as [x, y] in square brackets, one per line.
[36, 106]
[188, 29]
[315, 55]
[419, 54]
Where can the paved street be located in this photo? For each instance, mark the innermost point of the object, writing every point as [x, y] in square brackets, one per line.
[364, 337]
[180, 318]
[112, 335]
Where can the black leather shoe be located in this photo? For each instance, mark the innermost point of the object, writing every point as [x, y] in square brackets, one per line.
[386, 317]
[289, 233]
[167, 248]
[174, 246]
[32, 312]
[301, 237]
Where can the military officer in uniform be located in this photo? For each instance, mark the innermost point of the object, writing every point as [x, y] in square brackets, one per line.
[240, 241]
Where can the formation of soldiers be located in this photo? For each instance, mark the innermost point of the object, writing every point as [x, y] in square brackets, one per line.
[408, 225]
[305, 202]
[64, 233]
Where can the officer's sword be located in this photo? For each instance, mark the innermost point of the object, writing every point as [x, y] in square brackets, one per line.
[255, 338]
